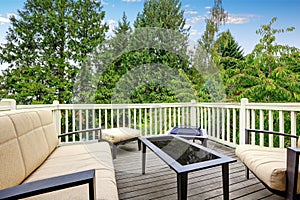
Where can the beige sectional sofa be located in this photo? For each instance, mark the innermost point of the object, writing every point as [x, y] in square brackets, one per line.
[30, 151]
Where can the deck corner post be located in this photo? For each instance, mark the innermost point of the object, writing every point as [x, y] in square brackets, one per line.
[193, 113]
[11, 103]
[57, 117]
[243, 120]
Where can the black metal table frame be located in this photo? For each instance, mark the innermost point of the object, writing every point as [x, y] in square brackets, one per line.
[183, 170]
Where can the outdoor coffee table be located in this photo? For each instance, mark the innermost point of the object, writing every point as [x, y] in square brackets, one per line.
[184, 156]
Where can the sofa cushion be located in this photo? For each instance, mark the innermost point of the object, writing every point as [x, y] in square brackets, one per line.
[116, 135]
[12, 169]
[268, 164]
[26, 139]
[79, 157]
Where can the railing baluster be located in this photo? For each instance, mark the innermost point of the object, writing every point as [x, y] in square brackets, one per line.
[67, 124]
[80, 124]
[155, 121]
[111, 118]
[86, 124]
[261, 127]
[165, 120]
[129, 118]
[214, 123]
[118, 118]
[140, 119]
[160, 122]
[281, 128]
[123, 123]
[271, 142]
[174, 116]
[228, 124]
[150, 124]
[223, 124]
[293, 128]
[146, 132]
[252, 126]
[100, 118]
[134, 118]
[218, 123]
[94, 122]
[73, 124]
[105, 118]
[178, 122]
[234, 125]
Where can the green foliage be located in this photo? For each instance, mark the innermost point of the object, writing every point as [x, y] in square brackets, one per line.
[218, 16]
[229, 53]
[159, 39]
[269, 74]
[123, 26]
[166, 14]
[45, 48]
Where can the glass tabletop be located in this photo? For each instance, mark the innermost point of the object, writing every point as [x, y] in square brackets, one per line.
[183, 152]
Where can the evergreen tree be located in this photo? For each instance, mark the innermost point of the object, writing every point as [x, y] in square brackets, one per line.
[228, 51]
[46, 46]
[159, 37]
[165, 14]
[123, 25]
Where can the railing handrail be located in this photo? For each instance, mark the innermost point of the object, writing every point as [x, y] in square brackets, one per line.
[225, 122]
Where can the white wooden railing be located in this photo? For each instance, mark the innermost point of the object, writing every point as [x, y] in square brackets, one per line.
[224, 122]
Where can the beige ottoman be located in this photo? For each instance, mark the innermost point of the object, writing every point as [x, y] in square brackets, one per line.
[120, 135]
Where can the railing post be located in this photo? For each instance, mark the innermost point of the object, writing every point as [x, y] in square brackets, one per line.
[193, 113]
[243, 119]
[11, 103]
[57, 117]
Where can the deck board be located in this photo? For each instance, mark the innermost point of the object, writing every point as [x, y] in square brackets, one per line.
[159, 182]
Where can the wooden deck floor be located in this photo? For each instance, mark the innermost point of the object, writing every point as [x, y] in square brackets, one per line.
[159, 182]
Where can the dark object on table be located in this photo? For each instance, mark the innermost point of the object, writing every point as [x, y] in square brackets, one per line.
[188, 132]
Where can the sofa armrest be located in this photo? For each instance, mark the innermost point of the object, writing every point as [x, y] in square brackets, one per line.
[292, 171]
[247, 135]
[51, 184]
[97, 130]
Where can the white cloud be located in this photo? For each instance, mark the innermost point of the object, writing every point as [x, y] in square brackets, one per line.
[103, 2]
[240, 18]
[207, 7]
[194, 20]
[194, 32]
[187, 5]
[191, 12]
[111, 24]
[132, 0]
[4, 20]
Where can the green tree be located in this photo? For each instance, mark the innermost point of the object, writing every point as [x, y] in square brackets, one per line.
[218, 16]
[268, 73]
[228, 51]
[160, 37]
[166, 14]
[46, 46]
[123, 25]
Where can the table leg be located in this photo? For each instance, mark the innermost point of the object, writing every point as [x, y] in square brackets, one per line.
[143, 158]
[182, 186]
[225, 177]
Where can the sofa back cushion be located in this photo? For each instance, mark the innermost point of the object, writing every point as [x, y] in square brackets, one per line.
[26, 140]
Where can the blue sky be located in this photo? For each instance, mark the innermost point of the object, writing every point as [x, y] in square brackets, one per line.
[245, 17]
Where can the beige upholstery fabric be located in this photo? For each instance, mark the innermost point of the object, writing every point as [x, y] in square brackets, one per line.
[75, 158]
[48, 128]
[23, 144]
[115, 135]
[268, 164]
[28, 137]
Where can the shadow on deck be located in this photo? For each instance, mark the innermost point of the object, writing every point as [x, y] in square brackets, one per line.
[159, 182]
